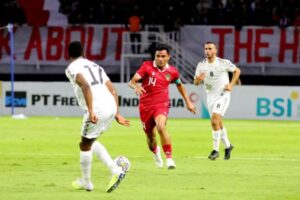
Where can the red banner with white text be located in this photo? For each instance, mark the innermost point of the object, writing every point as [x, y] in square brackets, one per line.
[48, 45]
[252, 46]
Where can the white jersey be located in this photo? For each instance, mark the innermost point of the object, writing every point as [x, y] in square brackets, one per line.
[103, 100]
[216, 76]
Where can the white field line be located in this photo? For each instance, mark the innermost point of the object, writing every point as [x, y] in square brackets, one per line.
[257, 158]
[266, 158]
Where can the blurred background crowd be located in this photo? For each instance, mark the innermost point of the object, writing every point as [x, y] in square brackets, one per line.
[170, 13]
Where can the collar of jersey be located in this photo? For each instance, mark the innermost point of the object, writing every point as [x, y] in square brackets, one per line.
[166, 67]
[215, 61]
[81, 57]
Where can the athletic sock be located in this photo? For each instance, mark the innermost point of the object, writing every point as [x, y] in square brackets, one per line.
[86, 158]
[216, 139]
[104, 156]
[154, 150]
[224, 138]
[168, 150]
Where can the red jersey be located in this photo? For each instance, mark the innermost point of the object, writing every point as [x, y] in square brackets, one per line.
[156, 83]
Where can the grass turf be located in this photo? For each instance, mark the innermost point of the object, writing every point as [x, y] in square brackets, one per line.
[40, 159]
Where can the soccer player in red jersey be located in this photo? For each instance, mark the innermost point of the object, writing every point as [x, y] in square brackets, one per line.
[154, 105]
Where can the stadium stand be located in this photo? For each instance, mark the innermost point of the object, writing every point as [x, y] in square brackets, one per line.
[198, 12]
[170, 14]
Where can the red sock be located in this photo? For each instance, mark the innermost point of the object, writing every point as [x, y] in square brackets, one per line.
[168, 150]
[153, 149]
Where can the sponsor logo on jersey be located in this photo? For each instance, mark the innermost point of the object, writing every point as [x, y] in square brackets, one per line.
[168, 77]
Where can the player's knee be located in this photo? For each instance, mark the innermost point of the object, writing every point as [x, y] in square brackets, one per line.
[215, 122]
[84, 146]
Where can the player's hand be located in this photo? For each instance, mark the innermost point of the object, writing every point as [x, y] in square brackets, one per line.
[139, 90]
[228, 87]
[191, 107]
[121, 120]
[93, 118]
[200, 77]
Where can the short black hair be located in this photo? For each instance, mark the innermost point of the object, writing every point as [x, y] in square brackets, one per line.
[161, 47]
[75, 49]
[210, 42]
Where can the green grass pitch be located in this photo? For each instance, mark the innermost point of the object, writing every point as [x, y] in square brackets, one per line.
[40, 159]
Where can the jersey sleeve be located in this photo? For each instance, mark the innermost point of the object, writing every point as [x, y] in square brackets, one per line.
[72, 72]
[229, 65]
[176, 77]
[142, 70]
[198, 69]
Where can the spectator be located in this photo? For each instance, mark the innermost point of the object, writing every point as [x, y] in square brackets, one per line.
[134, 28]
[211, 12]
[297, 20]
[284, 21]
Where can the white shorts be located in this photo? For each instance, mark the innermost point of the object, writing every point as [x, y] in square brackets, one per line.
[219, 105]
[90, 130]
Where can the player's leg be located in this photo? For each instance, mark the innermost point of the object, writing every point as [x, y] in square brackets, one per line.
[216, 108]
[216, 135]
[85, 164]
[96, 130]
[154, 148]
[151, 139]
[99, 149]
[102, 154]
[149, 129]
[88, 136]
[148, 124]
[117, 174]
[219, 131]
[226, 142]
[152, 142]
[224, 102]
[165, 139]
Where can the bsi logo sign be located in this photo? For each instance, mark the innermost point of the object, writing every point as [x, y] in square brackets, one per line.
[278, 107]
[19, 100]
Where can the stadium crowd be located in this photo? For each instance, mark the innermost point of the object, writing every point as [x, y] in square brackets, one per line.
[171, 13]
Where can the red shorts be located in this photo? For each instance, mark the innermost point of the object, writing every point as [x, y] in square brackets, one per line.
[148, 117]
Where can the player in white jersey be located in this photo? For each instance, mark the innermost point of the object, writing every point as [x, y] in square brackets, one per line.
[213, 71]
[97, 97]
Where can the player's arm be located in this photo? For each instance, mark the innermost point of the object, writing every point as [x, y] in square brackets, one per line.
[199, 74]
[120, 119]
[235, 77]
[88, 96]
[133, 84]
[199, 79]
[182, 91]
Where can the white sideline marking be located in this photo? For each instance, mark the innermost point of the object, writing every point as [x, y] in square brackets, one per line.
[192, 157]
[256, 158]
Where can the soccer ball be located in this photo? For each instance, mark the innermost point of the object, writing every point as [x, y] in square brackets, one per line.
[122, 162]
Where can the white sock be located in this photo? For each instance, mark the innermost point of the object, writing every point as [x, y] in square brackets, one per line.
[86, 158]
[158, 151]
[216, 139]
[224, 138]
[104, 156]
